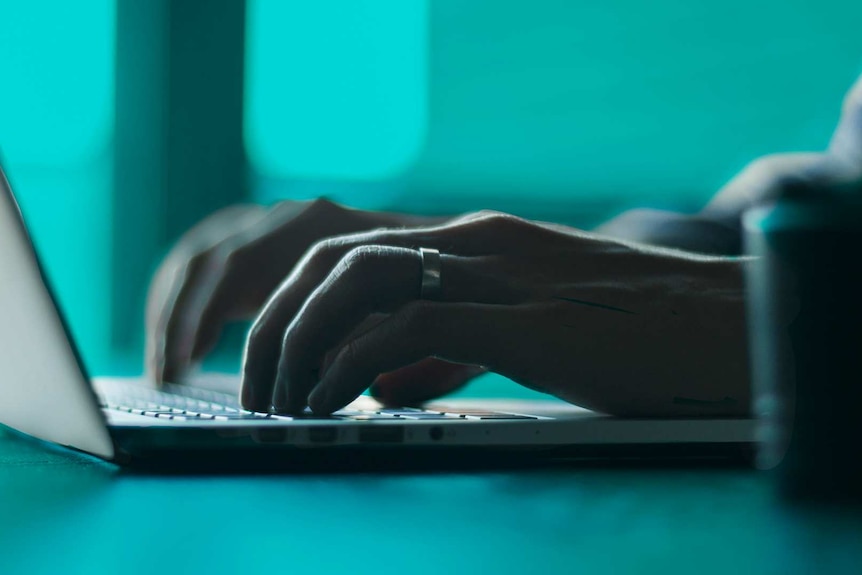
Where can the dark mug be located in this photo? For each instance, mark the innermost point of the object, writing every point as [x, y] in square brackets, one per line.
[805, 337]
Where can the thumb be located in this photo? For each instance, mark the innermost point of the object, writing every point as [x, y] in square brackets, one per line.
[422, 381]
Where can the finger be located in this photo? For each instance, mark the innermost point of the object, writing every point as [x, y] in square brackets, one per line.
[370, 279]
[165, 281]
[168, 282]
[459, 332]
[768, 178]
[195, 269]
[422, 381]
[251, 270]
[469, 236]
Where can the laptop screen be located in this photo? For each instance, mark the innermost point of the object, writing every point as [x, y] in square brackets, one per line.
[43, 389]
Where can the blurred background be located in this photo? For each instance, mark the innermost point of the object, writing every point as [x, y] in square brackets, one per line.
[123, 122]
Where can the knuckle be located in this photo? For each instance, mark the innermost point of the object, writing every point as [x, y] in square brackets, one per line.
[319, 254]
[234, 259]
[219, 261]
[360, 258]
[254, 336]
[322, 248]
[323, 205]
[502, 221]
[351, 354]
[197, 261]
[224, 255]
[260, 336]
[235, 252]
[417, 314]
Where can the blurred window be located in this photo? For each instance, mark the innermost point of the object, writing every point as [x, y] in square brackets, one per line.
[543, 107]
[56, 126]
[336, 89]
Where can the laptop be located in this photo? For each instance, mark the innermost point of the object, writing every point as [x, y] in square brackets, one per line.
[45, 393]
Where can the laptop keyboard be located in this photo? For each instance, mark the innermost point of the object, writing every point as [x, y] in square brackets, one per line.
[185, 403]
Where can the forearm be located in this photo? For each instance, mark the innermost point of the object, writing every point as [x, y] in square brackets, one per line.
[705, 232]
[682, 351]
[674, 339]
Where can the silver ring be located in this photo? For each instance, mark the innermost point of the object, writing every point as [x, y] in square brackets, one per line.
[431, 286]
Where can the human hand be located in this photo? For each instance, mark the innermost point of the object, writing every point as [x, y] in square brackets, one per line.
[838, 169]
[717, 228]
[225, 267]
[608, 325]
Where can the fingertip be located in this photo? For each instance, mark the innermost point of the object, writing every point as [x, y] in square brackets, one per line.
[282, 400]
[166, 374]
[251, 401]
[175, 363]
[151, 369]
[318, 400]
[252, 396]
[291, 404]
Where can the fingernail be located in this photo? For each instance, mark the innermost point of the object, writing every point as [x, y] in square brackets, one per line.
[247, 397]
[282, 398]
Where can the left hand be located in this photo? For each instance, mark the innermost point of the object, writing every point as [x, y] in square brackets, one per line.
[615, 327]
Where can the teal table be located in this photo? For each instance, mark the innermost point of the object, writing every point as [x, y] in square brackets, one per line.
[63, 513]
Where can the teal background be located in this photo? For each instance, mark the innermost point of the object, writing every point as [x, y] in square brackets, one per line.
[56, 135]
[555, 106]
[336, 89]
[562, 110]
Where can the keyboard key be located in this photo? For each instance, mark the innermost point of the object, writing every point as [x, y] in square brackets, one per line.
[429, 416]
[408, 413]
[502, 416]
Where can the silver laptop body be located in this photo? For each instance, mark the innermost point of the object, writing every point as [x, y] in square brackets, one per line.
[45, 393]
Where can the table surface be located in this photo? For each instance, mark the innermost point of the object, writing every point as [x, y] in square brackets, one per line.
[65, 513]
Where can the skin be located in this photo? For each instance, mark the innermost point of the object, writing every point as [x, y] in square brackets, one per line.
[513, 301]
[643, 316]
